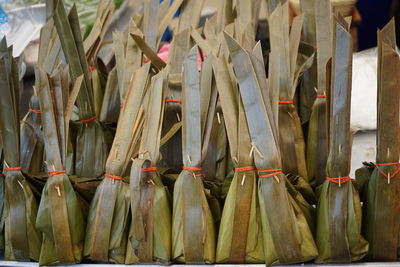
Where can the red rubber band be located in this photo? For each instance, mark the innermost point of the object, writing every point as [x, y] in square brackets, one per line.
[122, 106]
[339, 180]
[37, 111]
[89, 120]
[15, 169]
[114, 177]
[151, 169]
[321, 96]
[52, 173]
[245, 169]
[2, 175]
[286, 102]
[388, 164]
[92, 68]
[271, 172]
[173, 101]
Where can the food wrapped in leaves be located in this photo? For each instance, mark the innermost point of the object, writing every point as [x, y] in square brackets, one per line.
[239, 238]
[281, 215]
[150, 231]
[32, 144]
[59, 216]
[193, 230]
[381, 207]
[22, 240]
[317, 143]
[339, 210]
[285, 46]
[91, 148]
[108, 220]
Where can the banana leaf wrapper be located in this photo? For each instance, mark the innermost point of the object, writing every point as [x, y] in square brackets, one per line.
[280, 213]
[109, 218]
[292, 66]
[173, 110]
[306, 91]
[381, 208]
[339, 209]
[303, 187]
[363, 175]
[32, 145]
[59, 216]
[193, 229]
[22, 239]
[317, 143]
[92, 144]
[110, 244]
[239, 238]
[150, 229]
[111, 106]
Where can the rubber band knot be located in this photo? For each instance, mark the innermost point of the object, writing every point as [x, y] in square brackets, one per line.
[14, 169]
[36, 111]
[288, 102]
[52, 173]
[269, 173]
[173, 101]
[338, 180]
[114, 177]
[193, 170]
[89, 120]
[151, 169]
[245, 169]
[388, 175]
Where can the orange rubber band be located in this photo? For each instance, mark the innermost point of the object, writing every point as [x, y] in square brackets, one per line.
[321, 96]
[122, 106]
[271, 172]
[89, 120]
[173, 101]
[37, 111]
[245, 169]
[388, 164]
[52, 173]
[15, 169]
[114, 177]
[286, 102]
[339, 180]
[92, 68]
[191, 168]
[151, 169]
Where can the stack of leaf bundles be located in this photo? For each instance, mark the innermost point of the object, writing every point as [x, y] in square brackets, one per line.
[59, 217]
[108, 220]
[339, 210]
[91, 147]
[22, 240]
[381, 207]
[193, 230]
[282, 214]
[150, 231]
[291, 65]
